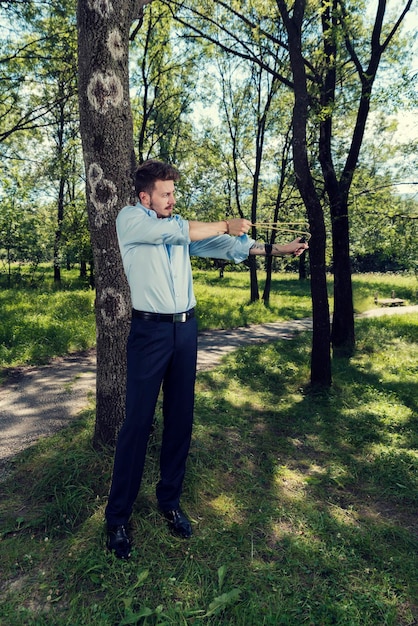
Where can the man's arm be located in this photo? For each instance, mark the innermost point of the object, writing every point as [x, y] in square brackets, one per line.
[199, 231]
[295, 248]
[205, 230]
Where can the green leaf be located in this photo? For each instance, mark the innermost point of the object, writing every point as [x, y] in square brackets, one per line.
[222, 601]
[221, 576]
[141, 578]
[133, 618]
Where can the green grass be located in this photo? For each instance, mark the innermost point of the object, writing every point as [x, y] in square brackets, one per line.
[366, 286]
[40, 323]
[224, 303]
[304, 505]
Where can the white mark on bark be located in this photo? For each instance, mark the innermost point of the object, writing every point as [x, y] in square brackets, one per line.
[104, 90]
[103, 7]
[95, 174]
[103, 194]
[114, 44]
[112, 306]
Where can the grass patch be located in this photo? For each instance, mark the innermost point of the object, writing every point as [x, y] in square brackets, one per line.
[38, 325]
[303, 505]
[224, 303]
[45, 321]
[366, 286]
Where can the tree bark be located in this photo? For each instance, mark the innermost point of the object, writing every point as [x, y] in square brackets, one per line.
[58, 231]
[282, 182]
[61, 122]
[321, 354]
[343, 330]
[107, 138]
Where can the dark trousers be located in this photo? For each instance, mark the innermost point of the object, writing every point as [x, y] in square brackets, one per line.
[158, 353]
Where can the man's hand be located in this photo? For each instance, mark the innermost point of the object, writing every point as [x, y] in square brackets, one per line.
[239, 226]
[295, 247]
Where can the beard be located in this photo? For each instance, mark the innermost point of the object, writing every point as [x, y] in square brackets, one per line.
[162, 213]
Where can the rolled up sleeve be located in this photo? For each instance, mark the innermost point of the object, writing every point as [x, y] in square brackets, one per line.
[235, 249]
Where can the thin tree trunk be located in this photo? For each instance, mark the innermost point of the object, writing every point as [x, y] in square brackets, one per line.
[58, 232]
[61, 190]
[302, 267]
[321, 336]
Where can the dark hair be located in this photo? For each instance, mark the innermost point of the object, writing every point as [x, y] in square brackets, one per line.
[152, 170]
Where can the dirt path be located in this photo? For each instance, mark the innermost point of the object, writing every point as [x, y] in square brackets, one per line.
[37, 401]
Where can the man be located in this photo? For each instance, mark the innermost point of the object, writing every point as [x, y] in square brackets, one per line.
[162, 346]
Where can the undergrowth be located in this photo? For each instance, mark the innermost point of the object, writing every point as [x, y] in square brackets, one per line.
[303, 504]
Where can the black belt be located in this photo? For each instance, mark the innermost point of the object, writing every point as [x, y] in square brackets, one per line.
[163, 317]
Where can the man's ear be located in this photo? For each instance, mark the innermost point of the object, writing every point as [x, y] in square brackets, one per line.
[144, 198]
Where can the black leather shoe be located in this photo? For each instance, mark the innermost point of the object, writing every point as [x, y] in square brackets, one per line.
[118, 541]
[178, 523]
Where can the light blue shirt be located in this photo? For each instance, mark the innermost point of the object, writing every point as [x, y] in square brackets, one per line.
[156, 258]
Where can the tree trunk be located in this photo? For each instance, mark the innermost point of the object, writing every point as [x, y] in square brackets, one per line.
[83, 268]
[61, 188]
[343, 333]
[262, 113]
[303, 275]
[282, 182]
[107, 139]
[321, 336]
[58, 231]
[267, 284]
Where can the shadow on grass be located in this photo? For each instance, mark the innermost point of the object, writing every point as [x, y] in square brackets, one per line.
[330, 476]
[303, 506]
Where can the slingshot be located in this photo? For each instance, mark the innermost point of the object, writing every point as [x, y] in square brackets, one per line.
[279, 228]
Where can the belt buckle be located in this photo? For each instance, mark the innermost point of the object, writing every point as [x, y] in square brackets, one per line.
[180, 317]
